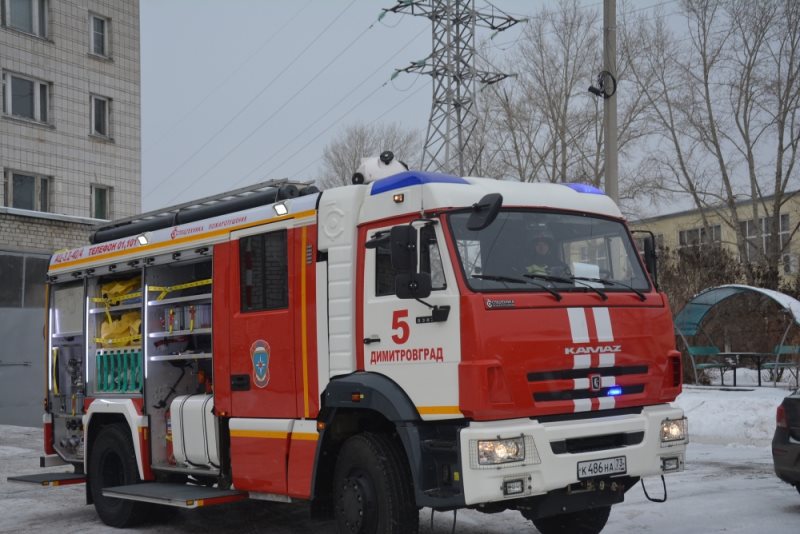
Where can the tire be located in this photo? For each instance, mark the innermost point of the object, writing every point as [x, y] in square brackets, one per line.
[590, 521]
[113, 463]
[373, 491]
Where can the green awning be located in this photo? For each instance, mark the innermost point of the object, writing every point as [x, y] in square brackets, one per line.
[688, 320]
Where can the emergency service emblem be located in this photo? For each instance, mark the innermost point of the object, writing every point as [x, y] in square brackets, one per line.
[259, 353]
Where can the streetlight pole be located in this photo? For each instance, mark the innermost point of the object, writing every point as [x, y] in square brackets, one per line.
[610, 102]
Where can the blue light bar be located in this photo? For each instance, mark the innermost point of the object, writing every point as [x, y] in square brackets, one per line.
[614, 391]
[586, 188]
[409, 178]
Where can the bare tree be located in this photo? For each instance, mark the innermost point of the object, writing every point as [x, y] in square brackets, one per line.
[546, 125]
[342, 156]
[726, 101]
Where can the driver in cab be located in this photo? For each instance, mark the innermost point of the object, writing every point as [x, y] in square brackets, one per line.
[544, 259]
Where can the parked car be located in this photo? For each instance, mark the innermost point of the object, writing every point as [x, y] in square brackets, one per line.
[786, 442]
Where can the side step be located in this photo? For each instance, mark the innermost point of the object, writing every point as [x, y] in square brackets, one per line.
[180, 495]
[51, 479]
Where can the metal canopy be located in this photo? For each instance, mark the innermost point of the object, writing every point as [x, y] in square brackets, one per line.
[687, 322]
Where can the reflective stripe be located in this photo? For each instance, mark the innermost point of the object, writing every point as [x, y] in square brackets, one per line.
[607, 359]
[582, 405]
[602, 322]
[582, 361]
[577, 325]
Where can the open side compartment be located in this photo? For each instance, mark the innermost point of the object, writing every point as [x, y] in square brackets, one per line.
[178, 362]
[66, 368]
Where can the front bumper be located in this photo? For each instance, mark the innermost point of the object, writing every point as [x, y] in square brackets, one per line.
[786, 456]
[553, 451]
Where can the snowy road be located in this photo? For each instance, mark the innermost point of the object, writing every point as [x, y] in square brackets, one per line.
[728, 486]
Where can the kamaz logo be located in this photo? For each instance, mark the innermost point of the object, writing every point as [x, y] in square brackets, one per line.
[600, 349]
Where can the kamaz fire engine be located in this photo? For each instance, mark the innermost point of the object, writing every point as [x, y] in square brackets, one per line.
[372, 349]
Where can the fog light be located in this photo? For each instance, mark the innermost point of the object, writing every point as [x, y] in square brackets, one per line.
[670, 464]
[514, 487]
[501, 451]
[674, 430]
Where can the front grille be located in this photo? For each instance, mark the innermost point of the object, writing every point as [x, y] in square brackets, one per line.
[596, 443]
[574, 394]
[571, 374]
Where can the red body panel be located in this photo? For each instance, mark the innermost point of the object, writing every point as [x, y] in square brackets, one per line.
[509, 355]
[259, 464]
[224, 263]
[306, 320]
[279, 397]
[48, 439]
[301, 467]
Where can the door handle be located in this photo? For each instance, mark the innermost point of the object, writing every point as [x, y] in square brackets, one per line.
[372, 339]
[240, 382]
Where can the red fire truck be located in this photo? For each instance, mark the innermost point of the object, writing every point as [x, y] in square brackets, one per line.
[372, 349]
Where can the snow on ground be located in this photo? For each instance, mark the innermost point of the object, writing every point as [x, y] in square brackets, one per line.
[728, 486]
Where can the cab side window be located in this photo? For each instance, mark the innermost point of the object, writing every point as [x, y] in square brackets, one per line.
[264, 272]
[430, 262]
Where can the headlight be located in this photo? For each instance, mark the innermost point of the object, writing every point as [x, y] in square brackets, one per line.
[674, 430]
[501, 451]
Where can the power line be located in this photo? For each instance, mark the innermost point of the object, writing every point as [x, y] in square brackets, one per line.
[253, 99]
[227, 78]
[276, 111]
[331, 108]
[398, 104]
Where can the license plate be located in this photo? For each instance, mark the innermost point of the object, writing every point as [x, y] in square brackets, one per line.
[599, 468]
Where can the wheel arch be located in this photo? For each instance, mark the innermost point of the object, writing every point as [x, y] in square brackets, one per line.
[352, 404]
[108, 412]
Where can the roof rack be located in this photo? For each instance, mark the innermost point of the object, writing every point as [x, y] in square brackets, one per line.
[230, 201]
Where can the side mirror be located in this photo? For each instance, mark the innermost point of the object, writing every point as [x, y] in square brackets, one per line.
[651, 258]
[484, 212]
[412, 285]
[403, 243]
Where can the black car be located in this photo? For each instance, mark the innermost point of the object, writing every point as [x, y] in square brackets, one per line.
[786, 442]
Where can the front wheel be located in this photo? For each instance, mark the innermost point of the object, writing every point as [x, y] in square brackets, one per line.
[373, 491]
[590, 521]
[113, 463]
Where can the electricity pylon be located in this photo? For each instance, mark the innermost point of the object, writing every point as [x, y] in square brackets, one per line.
[451, 65]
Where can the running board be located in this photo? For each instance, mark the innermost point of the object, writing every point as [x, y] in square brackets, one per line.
[51, 479]
[179, 495]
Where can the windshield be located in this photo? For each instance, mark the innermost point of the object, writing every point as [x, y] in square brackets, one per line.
[525, 249]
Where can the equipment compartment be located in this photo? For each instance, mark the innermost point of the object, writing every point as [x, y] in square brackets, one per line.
[177, 350]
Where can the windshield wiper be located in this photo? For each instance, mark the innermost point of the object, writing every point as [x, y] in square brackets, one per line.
[564, 280]
[512, 280]
[607, 282]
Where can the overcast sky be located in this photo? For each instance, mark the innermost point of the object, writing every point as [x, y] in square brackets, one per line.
[236, 92]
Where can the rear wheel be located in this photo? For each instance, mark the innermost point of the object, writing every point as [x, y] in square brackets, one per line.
[373, 491]
[113, 463]
[589, 521]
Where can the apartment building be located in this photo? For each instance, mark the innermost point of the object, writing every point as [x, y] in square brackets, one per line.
[685, 229]
[70, 150]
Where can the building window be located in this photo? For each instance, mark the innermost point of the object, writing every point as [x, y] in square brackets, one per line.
[757, 245]
[101, 111]
[98, 35]
[264, 271]
[26, 15]
[27, 191]
[101, 200]
[25, 97]
[23, 280]
[699, 237]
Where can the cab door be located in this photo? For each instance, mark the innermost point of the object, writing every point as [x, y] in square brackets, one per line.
[402, 339]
